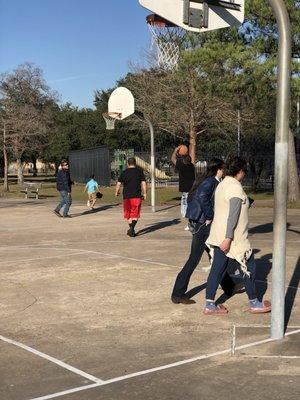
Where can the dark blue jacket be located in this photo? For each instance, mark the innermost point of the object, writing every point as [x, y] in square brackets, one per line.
[201, 207]
[63, 181]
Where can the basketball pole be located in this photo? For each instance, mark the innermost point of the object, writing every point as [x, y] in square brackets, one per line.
[145, 118]
[152, 156]
[281, 169]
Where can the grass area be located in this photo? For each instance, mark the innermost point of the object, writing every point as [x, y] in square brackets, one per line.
[164, 195]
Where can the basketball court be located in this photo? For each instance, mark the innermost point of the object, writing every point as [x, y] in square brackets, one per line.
[86, 311]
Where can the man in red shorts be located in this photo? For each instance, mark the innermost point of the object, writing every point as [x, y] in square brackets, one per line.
[134, 190]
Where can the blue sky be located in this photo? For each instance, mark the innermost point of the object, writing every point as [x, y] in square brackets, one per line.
[81, 45]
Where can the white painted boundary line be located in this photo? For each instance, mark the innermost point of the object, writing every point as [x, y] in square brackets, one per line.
[52, 359]
[163, 367]
[287, 357]
[40, 258]
[84, 251]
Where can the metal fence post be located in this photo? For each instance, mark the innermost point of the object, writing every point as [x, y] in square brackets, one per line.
[281, 166]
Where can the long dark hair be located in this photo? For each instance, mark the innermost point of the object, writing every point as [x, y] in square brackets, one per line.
[212, 168]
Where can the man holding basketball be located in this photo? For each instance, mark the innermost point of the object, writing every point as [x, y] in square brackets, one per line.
[184, 165]
[134, 190]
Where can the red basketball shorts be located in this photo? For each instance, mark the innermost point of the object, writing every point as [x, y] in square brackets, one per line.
[132, 208]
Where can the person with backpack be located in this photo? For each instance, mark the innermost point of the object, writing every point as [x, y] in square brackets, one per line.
[200, 213]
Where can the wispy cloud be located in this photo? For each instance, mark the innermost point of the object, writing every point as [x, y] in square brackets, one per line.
[72, 78]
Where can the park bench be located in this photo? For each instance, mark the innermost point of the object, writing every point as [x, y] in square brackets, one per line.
[31, 189]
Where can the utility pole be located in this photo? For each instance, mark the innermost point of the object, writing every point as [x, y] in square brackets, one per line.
[281, 168]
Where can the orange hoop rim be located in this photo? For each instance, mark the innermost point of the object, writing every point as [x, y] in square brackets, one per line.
[160, 22]
[112, 115]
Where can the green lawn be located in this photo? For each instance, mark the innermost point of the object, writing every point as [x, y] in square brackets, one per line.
[164, 195]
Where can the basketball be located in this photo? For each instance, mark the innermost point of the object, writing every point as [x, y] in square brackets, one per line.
[183, 150]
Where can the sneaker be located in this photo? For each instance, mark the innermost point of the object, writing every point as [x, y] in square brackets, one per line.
[187, 228]
[131, 233]
[258, 307]
[57, 213]
[182, 300]
[67, 216]
[216, 310]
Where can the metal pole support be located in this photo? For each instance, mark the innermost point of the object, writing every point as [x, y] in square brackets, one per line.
[152, 155]
[281, 168]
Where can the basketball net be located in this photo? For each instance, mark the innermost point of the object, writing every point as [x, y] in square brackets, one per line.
[110, 119]
[167, 39]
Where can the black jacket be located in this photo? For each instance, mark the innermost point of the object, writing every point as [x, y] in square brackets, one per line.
[201, 207]
[63, 181]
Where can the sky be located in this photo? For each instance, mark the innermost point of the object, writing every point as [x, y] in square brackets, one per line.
[81, 45]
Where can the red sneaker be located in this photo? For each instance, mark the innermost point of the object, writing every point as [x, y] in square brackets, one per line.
[219, 310]
[267, 307]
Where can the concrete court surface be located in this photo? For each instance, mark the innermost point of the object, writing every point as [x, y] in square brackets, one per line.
[93, 308]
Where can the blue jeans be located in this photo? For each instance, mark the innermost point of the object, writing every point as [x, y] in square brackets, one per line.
[197, 249]
[66, 201]
[184, 198]
[218, 270]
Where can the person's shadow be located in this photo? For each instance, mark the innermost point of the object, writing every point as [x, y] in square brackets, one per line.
[291, 293]
[157, 226]
[268, 228]
[95, 210]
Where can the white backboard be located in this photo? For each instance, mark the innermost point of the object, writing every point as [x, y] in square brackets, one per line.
[218, 17]
[121, 101]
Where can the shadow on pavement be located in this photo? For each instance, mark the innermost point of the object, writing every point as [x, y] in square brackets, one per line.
[96, 210]
[291, 293]
[192, 292]
[268, 228]
[157, 226]
[168, 208]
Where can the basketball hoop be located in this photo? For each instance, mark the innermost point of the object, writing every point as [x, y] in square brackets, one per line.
[167, 38]
[110, 119]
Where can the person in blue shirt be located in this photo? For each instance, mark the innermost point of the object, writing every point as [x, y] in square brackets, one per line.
[200, 213]
[91, 188]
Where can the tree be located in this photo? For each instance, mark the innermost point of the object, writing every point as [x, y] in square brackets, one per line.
[27, 105]
[260, 32]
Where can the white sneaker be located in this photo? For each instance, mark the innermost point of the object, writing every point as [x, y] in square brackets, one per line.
[187, 228]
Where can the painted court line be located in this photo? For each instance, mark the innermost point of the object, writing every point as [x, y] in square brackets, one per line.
[83, 251]
[287, 357]
[163, 367]
[52, 359]
[40, 258]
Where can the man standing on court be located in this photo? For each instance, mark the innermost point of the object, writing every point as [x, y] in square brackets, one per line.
[64, 186]
[134, 190]
[184, 165]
